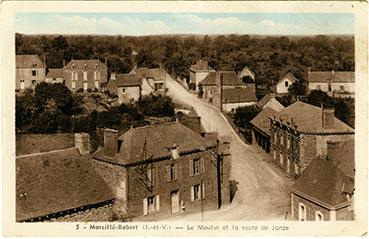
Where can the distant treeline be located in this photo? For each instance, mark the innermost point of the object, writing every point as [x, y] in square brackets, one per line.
[269, 57]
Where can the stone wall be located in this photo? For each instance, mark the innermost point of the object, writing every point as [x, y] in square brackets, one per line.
[161, 186]
[38, 143]
[104, 213]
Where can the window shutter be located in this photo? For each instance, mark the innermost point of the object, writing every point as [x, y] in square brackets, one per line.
[203, 190]
[191, 167]
[157, 202]
[168, 173]
[145, 212]
[192, 194]
[176, 171]
[202, 164]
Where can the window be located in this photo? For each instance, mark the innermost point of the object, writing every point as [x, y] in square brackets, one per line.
[281, 139]
[34, 82]
[281, 158]
[97, 85]
[319, 216]
[342, 88]
[288, 142]
[123, 90]
[197, 166]
[97, 75]
[151, 205]
[172, 172]
[85, 75]
[73, 84]
[274, 154]
[302, 212]
[74, 76]
[96, 66]
[297, 170]
[34, 72]
[73, 66]
[198, 192]
[159, 86]
[84, 66]
[275, 137]
[34, 65]
[329, 88]
[286, 83]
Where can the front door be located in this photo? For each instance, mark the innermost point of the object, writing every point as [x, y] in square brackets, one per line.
[175, 201]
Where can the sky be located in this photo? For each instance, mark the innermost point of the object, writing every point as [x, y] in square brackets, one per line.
[137, 24]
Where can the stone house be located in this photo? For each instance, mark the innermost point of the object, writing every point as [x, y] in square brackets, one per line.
[339, 84]
[284, 83]
[61, 185]
[260, 125]
[300, 132]
[54, 75]
[85, 74]
[227, 87]
[153, 80]
[199, 71]
[325, 190]
[126, 86]
[162, 170]
[30, 71]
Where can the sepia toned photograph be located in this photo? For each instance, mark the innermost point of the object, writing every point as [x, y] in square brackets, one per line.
[176, 116]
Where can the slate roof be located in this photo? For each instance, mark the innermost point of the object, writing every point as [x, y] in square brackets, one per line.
[28, 61]
[344, 157]
[55, 73]
[289, 76]
[262, 120]
[52, 182]
[238, 95]
[156, 140]
[335, 77]
[324, 183]
[79, 64]
[201, 65]
[127, 80]
[308, 118]
[229, 78]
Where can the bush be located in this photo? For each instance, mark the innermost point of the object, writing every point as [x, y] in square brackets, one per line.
[80, 90]
[159, 106]
[244, 115]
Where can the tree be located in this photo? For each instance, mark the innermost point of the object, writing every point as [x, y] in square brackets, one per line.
[320, 98]
[244, 115]
[159, 106]
[298, 88]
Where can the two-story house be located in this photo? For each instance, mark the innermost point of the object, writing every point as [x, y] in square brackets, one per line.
[227, 91]
[163, 169]
[199, 71]
[30, 70]
[85, 74]
[339, 84]
[299, 133]
[325, 191]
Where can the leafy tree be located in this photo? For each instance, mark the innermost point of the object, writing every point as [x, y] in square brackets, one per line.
[159, 106]
[245, 114]
[297, 88]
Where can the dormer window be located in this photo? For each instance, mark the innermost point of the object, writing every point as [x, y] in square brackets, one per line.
[73, 66]
[34, 65]
[96, 66]
[84, 66]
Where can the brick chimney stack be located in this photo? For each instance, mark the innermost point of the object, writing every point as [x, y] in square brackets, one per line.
[175, 151]
[110, 142]
[328, 118]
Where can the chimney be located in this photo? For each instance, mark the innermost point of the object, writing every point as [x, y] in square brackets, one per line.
[82, 142]
[113, 76]
[332, 72]
[175, 151]
[63, 62]
[328, 118]
[110, 142]
[331, 149]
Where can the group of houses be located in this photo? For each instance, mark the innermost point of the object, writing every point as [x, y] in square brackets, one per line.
[311, 145]
[90, 75]
[145, 173]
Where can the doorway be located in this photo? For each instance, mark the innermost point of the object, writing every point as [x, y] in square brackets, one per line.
[175, 201]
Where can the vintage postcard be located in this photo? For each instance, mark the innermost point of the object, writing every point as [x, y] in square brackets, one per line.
[184, 118]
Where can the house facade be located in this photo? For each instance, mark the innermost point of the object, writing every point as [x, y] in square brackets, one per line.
[85, 74]
[284, 83]
[225, 90]
[199, 71]
[30, 71]
[325, 191]
[246, 72]
[299, 134]
[126, 86]
[338, 84]
[168, 170]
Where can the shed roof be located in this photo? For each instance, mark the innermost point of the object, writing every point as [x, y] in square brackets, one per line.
[127, 80]
[56, 181]
[262, 120]
[333, 76]
[28, 61]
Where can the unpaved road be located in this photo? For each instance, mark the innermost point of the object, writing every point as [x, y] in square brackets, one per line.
[263, 191]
